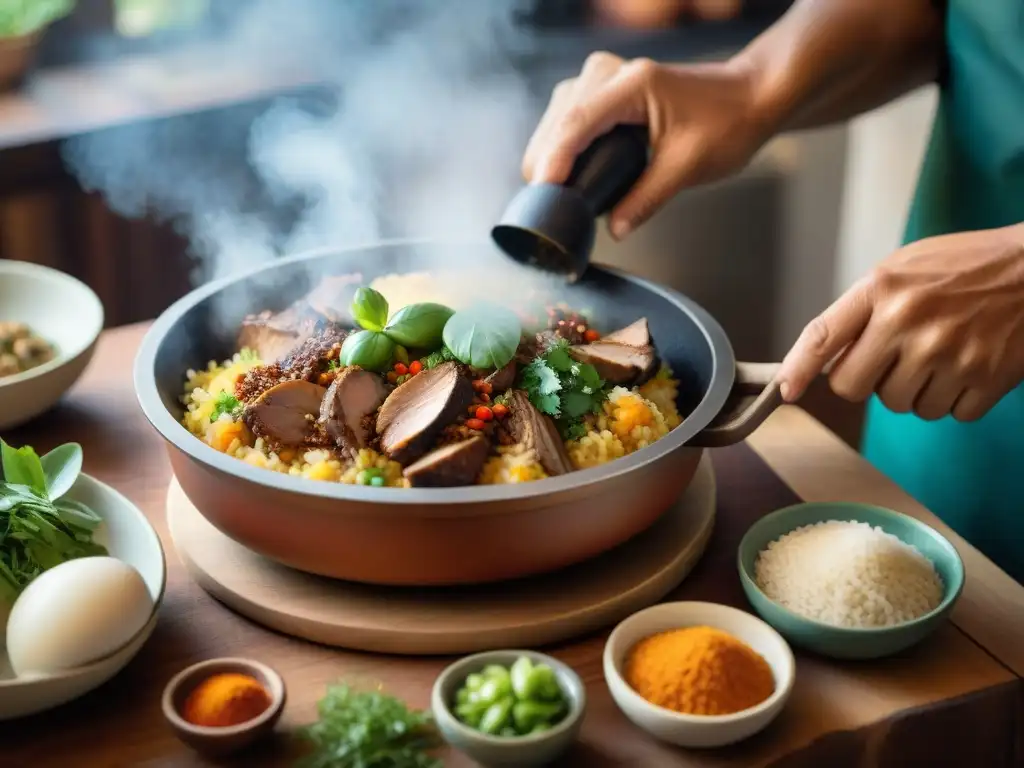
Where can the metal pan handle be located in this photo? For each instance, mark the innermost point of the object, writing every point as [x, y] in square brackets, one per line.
[755, 396]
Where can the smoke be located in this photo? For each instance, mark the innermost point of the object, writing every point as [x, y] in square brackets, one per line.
[420, 133]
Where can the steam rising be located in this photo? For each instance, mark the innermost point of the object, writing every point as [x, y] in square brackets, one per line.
[421, 137]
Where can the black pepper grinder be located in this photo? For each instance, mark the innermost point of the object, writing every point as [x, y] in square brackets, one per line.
[552, 226]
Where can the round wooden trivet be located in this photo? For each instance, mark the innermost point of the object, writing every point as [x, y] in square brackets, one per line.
[525, 613]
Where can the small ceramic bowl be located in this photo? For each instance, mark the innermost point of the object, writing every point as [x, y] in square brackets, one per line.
[844, 642]
[520, 751]
[222, 741]
[60, 309]
[698, 730]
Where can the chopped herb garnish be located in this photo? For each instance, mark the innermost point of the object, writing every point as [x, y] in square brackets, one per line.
[369, 729]
[334, 365]
[39, 527]
[434, 359]
[225, 403]
[563, 388]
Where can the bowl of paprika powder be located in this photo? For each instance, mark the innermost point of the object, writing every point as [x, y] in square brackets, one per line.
[698, 674]
[221, 706]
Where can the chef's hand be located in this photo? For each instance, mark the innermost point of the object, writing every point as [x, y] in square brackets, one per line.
[937, 328]
[700, 119]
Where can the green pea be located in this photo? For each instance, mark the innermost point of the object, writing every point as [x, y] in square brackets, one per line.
[494, 688]
[363, 477]
[496, 672]
[497, 716]
[527, 714]
[377, 481]
[474, 681]
[522, 678]
[471, 713]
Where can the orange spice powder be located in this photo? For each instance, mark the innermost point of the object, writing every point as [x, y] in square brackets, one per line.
[699, 671]
[224, 700]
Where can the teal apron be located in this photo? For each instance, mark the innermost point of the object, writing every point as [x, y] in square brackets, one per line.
[971, 475]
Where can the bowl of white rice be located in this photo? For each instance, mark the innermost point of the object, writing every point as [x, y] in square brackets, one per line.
[849, 581]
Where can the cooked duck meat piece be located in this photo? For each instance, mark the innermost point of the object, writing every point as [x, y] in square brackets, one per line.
[618, 363]
[633, 335]
[273, 335]
[453, 465]
[308, 360]
[354, 395]
[332, 297]
[503, 378]
[285, 415]
[537, 432]
[416, 412]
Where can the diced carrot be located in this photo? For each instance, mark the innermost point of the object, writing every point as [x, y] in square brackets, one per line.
[475, 424]
[591, 335]
[484, 413]
[415, 367]
[500, 410]
[401, 369]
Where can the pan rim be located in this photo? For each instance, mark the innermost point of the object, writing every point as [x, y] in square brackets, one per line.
[722, 378]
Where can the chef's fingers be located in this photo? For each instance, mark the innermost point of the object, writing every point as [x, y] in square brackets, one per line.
[824, 338]
[561, 97]
[863, 366]
[938, 397]
[975, 403]
[900, 389]
[620, 100]
[669, 171]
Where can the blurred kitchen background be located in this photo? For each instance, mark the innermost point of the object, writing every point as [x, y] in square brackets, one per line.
[138, 137]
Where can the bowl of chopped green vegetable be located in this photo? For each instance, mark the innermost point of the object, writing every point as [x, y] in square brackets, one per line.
[82, 575]
[514, 708]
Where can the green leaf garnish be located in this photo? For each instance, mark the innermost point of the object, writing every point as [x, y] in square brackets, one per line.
[434, 359]
[368, 349]
[369, 729]
[40, 527]
[563, 388]
[370, 309]
[419, 325]
[485, 336]
[225, 403]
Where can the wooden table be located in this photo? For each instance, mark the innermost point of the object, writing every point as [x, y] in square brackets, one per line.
[965, 680]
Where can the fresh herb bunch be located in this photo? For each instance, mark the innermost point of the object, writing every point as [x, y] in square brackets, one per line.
[39, 527]
[434, 359]
[23, 17]
[225, 403]
[369, 729]
[563, 388]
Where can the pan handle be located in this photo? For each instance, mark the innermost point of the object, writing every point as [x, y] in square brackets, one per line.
[755, 396]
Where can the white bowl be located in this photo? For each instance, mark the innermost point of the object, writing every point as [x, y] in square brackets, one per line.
[128, 536]
[698, 730]
[60, 309]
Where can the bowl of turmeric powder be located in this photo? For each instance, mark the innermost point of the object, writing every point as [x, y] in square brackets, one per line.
[221, 706]
[698, 674]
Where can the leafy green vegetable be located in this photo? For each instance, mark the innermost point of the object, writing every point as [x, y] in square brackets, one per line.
[370, 309]
[368, 349]
[563, 388]
[434, 359]
[225, 403]
[419, 325]
[485, 336]
[369, 729]
[23, 17]
[39, 527]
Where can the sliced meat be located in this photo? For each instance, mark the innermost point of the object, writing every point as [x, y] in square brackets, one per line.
[618, 363]
[633, 335]
[272, 336]
[503, 378]
[285, 415]
[536, 431]
[332, 297]
[309, 359]
[453, 465]
[416, 412]
[354, 395]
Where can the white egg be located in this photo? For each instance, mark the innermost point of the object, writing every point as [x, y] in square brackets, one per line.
[76, 613]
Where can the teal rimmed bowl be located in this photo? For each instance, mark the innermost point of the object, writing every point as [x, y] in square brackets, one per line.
[845, 642]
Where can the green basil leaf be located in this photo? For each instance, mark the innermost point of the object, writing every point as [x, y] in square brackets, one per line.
[21, 466]
[368, 349]
[61, 467]
[419, 325]
[484, 336]
[370, 309]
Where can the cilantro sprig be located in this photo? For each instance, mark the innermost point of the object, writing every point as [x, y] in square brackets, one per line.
[434, 359]
[563, 388]
[40, 527]
[225, 403]
[369, 729]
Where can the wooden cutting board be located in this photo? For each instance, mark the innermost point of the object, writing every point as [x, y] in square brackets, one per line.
[525, 613]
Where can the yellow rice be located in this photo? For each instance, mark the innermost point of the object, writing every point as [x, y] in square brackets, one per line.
[629, 420]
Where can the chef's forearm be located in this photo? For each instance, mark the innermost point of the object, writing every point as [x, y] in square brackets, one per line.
[830, 60]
